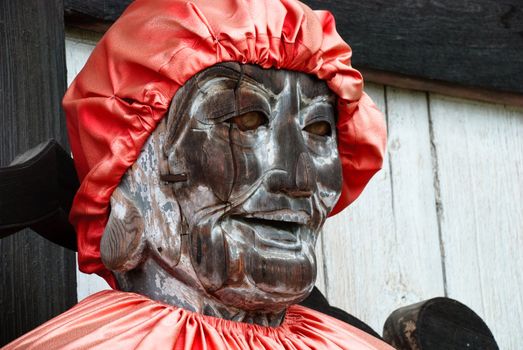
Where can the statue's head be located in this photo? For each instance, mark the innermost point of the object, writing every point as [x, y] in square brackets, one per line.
[213, 139]
[239, 179]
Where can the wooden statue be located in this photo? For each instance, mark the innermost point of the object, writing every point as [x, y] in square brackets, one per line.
[212, 140]
[221, 211]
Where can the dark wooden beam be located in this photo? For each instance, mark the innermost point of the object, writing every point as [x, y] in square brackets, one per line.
[475, 43]
[471, 43]
[38, 277]
[95, 15]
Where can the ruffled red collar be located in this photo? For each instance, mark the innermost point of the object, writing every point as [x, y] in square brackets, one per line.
[119, 320]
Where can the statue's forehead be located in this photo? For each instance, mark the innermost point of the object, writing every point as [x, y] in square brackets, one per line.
[272, 79]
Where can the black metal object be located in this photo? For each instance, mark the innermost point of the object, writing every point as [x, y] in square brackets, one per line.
[174, 177]
[475, 43]
[37, 191]
[438, 324]
[38, 277]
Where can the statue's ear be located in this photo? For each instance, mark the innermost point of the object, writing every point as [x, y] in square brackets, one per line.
[123, 241]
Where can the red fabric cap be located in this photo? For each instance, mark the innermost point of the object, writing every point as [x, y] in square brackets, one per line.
[156, 46]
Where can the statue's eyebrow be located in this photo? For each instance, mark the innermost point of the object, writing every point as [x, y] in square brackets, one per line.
[227, 70]
[311, 94]
[319, 99]
[321, 102]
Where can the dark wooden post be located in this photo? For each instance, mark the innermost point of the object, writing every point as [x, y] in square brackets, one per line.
[38, 277]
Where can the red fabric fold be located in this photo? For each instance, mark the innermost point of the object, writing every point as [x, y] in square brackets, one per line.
[156, 46]
[119, 320]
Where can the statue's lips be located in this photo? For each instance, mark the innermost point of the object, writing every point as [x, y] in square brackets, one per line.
[285, 215]
[276, 229]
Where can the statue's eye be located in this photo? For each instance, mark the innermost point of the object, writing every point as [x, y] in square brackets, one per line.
[249, 121]
[320, 128]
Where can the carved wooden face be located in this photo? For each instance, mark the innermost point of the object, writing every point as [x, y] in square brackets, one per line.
[262, 172]
[259, 150]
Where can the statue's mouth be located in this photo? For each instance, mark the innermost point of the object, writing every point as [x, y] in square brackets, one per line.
[276, 229]
[285, 215]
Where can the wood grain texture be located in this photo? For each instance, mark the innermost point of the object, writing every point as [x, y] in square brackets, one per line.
[480, 160]
[471, 43]
[363, 284]
[413, 195]
[386, 243]
[38, 277]
[122, 245]
[320, 277]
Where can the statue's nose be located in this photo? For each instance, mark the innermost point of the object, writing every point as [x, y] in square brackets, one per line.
[296, 180]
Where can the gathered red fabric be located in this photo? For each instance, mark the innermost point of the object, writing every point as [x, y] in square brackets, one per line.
[119, 320]
[128, 82]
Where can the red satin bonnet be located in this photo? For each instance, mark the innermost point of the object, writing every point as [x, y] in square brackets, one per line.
[126, 87]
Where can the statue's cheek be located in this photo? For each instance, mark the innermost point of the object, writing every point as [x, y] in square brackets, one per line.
[329, 180]
[248, 165]
[231, 163]
[218, 168]
[206, 156]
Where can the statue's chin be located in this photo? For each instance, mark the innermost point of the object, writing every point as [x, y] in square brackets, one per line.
[270, 284]
[266, 277]
[263, 267]
[285, 274]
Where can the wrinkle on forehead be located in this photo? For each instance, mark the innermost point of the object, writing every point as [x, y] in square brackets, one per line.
[273, 79]
[276, 80]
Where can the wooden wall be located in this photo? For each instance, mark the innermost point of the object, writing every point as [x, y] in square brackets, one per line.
[443, 217]
[37, 276]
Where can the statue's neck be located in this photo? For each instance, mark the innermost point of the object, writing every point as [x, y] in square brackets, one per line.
[185, 291]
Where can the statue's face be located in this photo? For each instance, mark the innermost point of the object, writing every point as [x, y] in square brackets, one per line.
[263, 172]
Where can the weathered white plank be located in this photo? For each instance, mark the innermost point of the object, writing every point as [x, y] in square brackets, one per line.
[78, 47]
[414, 205]
[354, 244]
[76, 53]
[320, 277]
[383, 252]
[479, 150]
